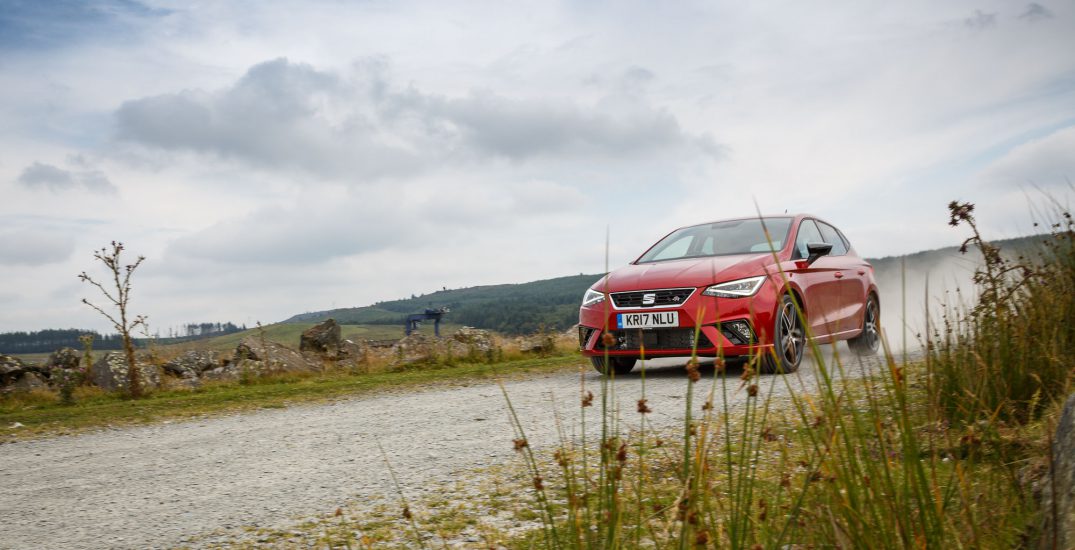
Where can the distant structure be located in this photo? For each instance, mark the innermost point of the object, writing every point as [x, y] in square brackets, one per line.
[413, 321]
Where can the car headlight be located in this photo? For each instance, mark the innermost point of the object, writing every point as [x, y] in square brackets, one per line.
[736, 289]
[592, 297]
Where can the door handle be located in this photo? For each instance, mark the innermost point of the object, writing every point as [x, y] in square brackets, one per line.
[839, 275]
[862, 272]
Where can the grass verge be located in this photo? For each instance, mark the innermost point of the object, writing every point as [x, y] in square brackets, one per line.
[40, 414]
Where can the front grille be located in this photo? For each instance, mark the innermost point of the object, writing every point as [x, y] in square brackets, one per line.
[658, 339]
[660, 298]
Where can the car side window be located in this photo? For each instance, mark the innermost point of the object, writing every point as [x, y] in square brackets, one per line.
[808, 233]
[831, 236]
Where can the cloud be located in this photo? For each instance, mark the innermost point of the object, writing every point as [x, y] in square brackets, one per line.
[32, 247]
[46, 176]
[36, 25]
[359, 125]
[416, 218]
[1046, 162]
[981, 21]
[1036, 12]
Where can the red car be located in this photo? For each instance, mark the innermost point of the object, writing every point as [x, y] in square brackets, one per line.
[742, 289]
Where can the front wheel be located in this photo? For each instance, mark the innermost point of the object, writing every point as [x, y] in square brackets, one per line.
[619, 365]
[789, 340]
[869, 340]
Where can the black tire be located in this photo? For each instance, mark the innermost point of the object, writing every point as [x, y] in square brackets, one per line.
[869, 340]
[789, 340]
[620, 365]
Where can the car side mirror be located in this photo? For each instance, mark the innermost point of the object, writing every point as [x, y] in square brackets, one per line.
[816, 251]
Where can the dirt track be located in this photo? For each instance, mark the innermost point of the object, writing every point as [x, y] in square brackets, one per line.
[156, 486]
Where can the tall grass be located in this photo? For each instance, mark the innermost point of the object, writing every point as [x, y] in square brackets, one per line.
[883, 454]
[1010, 355]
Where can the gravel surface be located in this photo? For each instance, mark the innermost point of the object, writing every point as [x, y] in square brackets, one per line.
[158, 486]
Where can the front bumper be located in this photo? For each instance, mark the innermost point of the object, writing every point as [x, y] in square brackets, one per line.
[708, 327]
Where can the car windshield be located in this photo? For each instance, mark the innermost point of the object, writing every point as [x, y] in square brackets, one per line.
[720, 239]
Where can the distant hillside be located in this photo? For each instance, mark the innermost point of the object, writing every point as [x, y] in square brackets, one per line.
[510, 309]
[554, 303]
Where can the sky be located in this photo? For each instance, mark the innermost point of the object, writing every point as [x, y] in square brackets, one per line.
[270, 158]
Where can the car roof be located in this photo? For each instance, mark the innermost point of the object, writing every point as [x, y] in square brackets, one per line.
[796, 218]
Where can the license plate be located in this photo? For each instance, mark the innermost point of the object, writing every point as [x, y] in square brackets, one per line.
[658, 319]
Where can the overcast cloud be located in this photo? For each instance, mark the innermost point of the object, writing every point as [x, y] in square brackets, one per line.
[270, 161]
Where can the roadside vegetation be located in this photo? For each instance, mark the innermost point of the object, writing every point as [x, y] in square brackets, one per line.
[949, 451]
[46, 412]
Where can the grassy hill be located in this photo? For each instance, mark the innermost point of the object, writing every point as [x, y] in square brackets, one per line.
[508, 309]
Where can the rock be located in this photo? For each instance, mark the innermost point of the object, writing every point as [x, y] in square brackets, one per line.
[474, 338]
[110, 372]
[420, 348]
[323, 338]
[274, 357]
[354, 350]
[1059, 507]
[224, 372]
[192, 363]
[10, 369]
[537, 343]
[64, 358]
[29, 381]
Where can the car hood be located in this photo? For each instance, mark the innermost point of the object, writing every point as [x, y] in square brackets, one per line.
[696, 272]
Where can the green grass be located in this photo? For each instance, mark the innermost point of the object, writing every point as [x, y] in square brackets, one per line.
[41, 413]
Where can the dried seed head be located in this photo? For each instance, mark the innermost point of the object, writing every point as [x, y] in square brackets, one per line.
[621, 455]
[339, 512]
[587, 399]
[692, 370]
[748, 373]
[643, 407]
[658, 443]
[538, 484]
[692, 517]
[785, 480]
[407, 512]
[752, 390]
[561, 458]
[767, 434]
[608, 340]
[520, 444]
[719, 365]
[701, 539]
[708, 405]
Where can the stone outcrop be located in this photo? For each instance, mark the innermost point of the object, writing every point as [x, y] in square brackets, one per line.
[192, 364]
[11, 368]
[29, 381]
[1058, 495]
[475, 339]
[259, 357]
[323, 338]
[540, 344]
[110, 373]
[420, 348]
[64, 358]
[16, 376]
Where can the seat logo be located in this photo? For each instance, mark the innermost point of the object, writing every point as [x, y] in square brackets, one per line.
[649, 299]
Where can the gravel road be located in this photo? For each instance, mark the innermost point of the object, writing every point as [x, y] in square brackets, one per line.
[155, 486]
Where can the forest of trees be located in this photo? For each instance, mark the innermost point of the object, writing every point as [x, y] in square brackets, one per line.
[49, 340]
